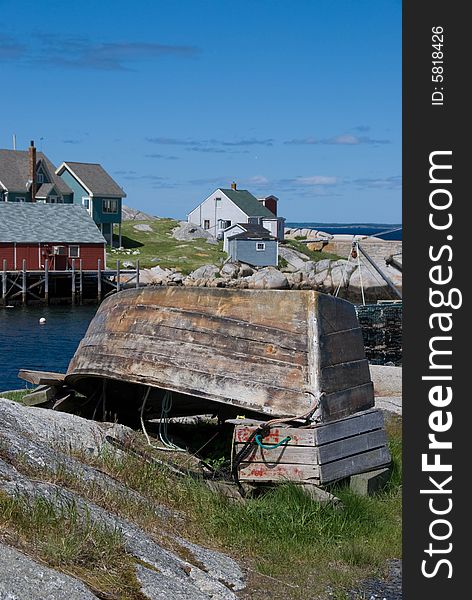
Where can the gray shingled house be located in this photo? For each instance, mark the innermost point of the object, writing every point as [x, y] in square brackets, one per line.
[46, 233]
[29, 176]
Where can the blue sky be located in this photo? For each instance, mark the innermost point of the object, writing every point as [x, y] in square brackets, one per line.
[300, 98]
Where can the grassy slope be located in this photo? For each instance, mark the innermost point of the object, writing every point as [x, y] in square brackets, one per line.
[290, 544]
[159, 244]
[169, 252]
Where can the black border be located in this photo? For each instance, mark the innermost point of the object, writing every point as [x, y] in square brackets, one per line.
[427, 128]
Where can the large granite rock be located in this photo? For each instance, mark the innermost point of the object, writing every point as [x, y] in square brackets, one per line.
[204, 272]
[35, 443]
[22, 578]
[133, 214]
[268, 278]
[189, 231]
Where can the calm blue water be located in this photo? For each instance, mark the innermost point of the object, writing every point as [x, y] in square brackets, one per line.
[356, 229]
[26, 344]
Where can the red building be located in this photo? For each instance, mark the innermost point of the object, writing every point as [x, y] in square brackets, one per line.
[52, 234]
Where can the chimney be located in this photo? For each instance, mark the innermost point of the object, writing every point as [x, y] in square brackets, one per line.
[233, 185]
[32, 170]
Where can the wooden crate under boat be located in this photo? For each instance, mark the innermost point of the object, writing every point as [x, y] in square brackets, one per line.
[269, 352]
[320, 454]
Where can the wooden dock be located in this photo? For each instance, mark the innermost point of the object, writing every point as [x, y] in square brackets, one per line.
[74, 286]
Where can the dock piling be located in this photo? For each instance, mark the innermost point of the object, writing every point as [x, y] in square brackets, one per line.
[4, 281]
[118, 264]
[23, 288]
[46, 281]
[81, 282]
[73, 281]
[99, 280]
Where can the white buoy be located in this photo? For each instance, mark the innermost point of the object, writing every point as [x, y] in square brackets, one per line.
[42, 320]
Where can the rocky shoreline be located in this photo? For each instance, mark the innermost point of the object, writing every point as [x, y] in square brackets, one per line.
[346, 277]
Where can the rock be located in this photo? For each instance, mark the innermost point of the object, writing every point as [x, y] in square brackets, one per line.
[316, 246]
[189, 231]
[230, 270]
[341, 272]
[245, 270]
[142, 227]
[22, 578]
[156, 586]
[308, 267]
[293, 257]
[268, 278]
[366, 484]
[155, 276]
[293, 278]
[375, 288]
[204, 272]
[203, 573]
[387, 380]
[322, 265]
[55, 427]
[133, 214]
[320, 278]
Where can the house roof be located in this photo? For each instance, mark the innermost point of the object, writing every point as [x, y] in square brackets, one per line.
[44, 190]
[253, 231]
[248, 203]
[14, 171]
[94, 177]
[32, 222]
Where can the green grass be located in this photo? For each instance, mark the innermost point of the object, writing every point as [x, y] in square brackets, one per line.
[69, 542]
[15, 395]
[147, 246]
[283, 534]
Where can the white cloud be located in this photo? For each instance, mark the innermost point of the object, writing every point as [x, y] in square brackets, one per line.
[316, 180]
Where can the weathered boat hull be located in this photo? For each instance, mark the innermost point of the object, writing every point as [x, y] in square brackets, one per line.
[268, 352]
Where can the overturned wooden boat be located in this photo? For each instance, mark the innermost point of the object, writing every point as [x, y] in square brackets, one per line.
[272, 353]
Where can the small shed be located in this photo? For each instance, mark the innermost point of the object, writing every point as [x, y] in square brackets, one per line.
[252, 244]
[48, 233]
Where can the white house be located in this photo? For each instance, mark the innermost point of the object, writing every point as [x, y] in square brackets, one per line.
[225, 207]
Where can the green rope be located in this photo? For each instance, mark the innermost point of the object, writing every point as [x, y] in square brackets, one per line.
[272, 447]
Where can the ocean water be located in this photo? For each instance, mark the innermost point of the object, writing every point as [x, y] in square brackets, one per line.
[386, 231]
[24, 343]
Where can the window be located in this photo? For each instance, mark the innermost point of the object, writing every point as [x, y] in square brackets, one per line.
[52, 199]
[86, 202]
[110, 206]
[74, 252]
[222, 224]
[260, 246]
[206, 224]
[40, 178]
